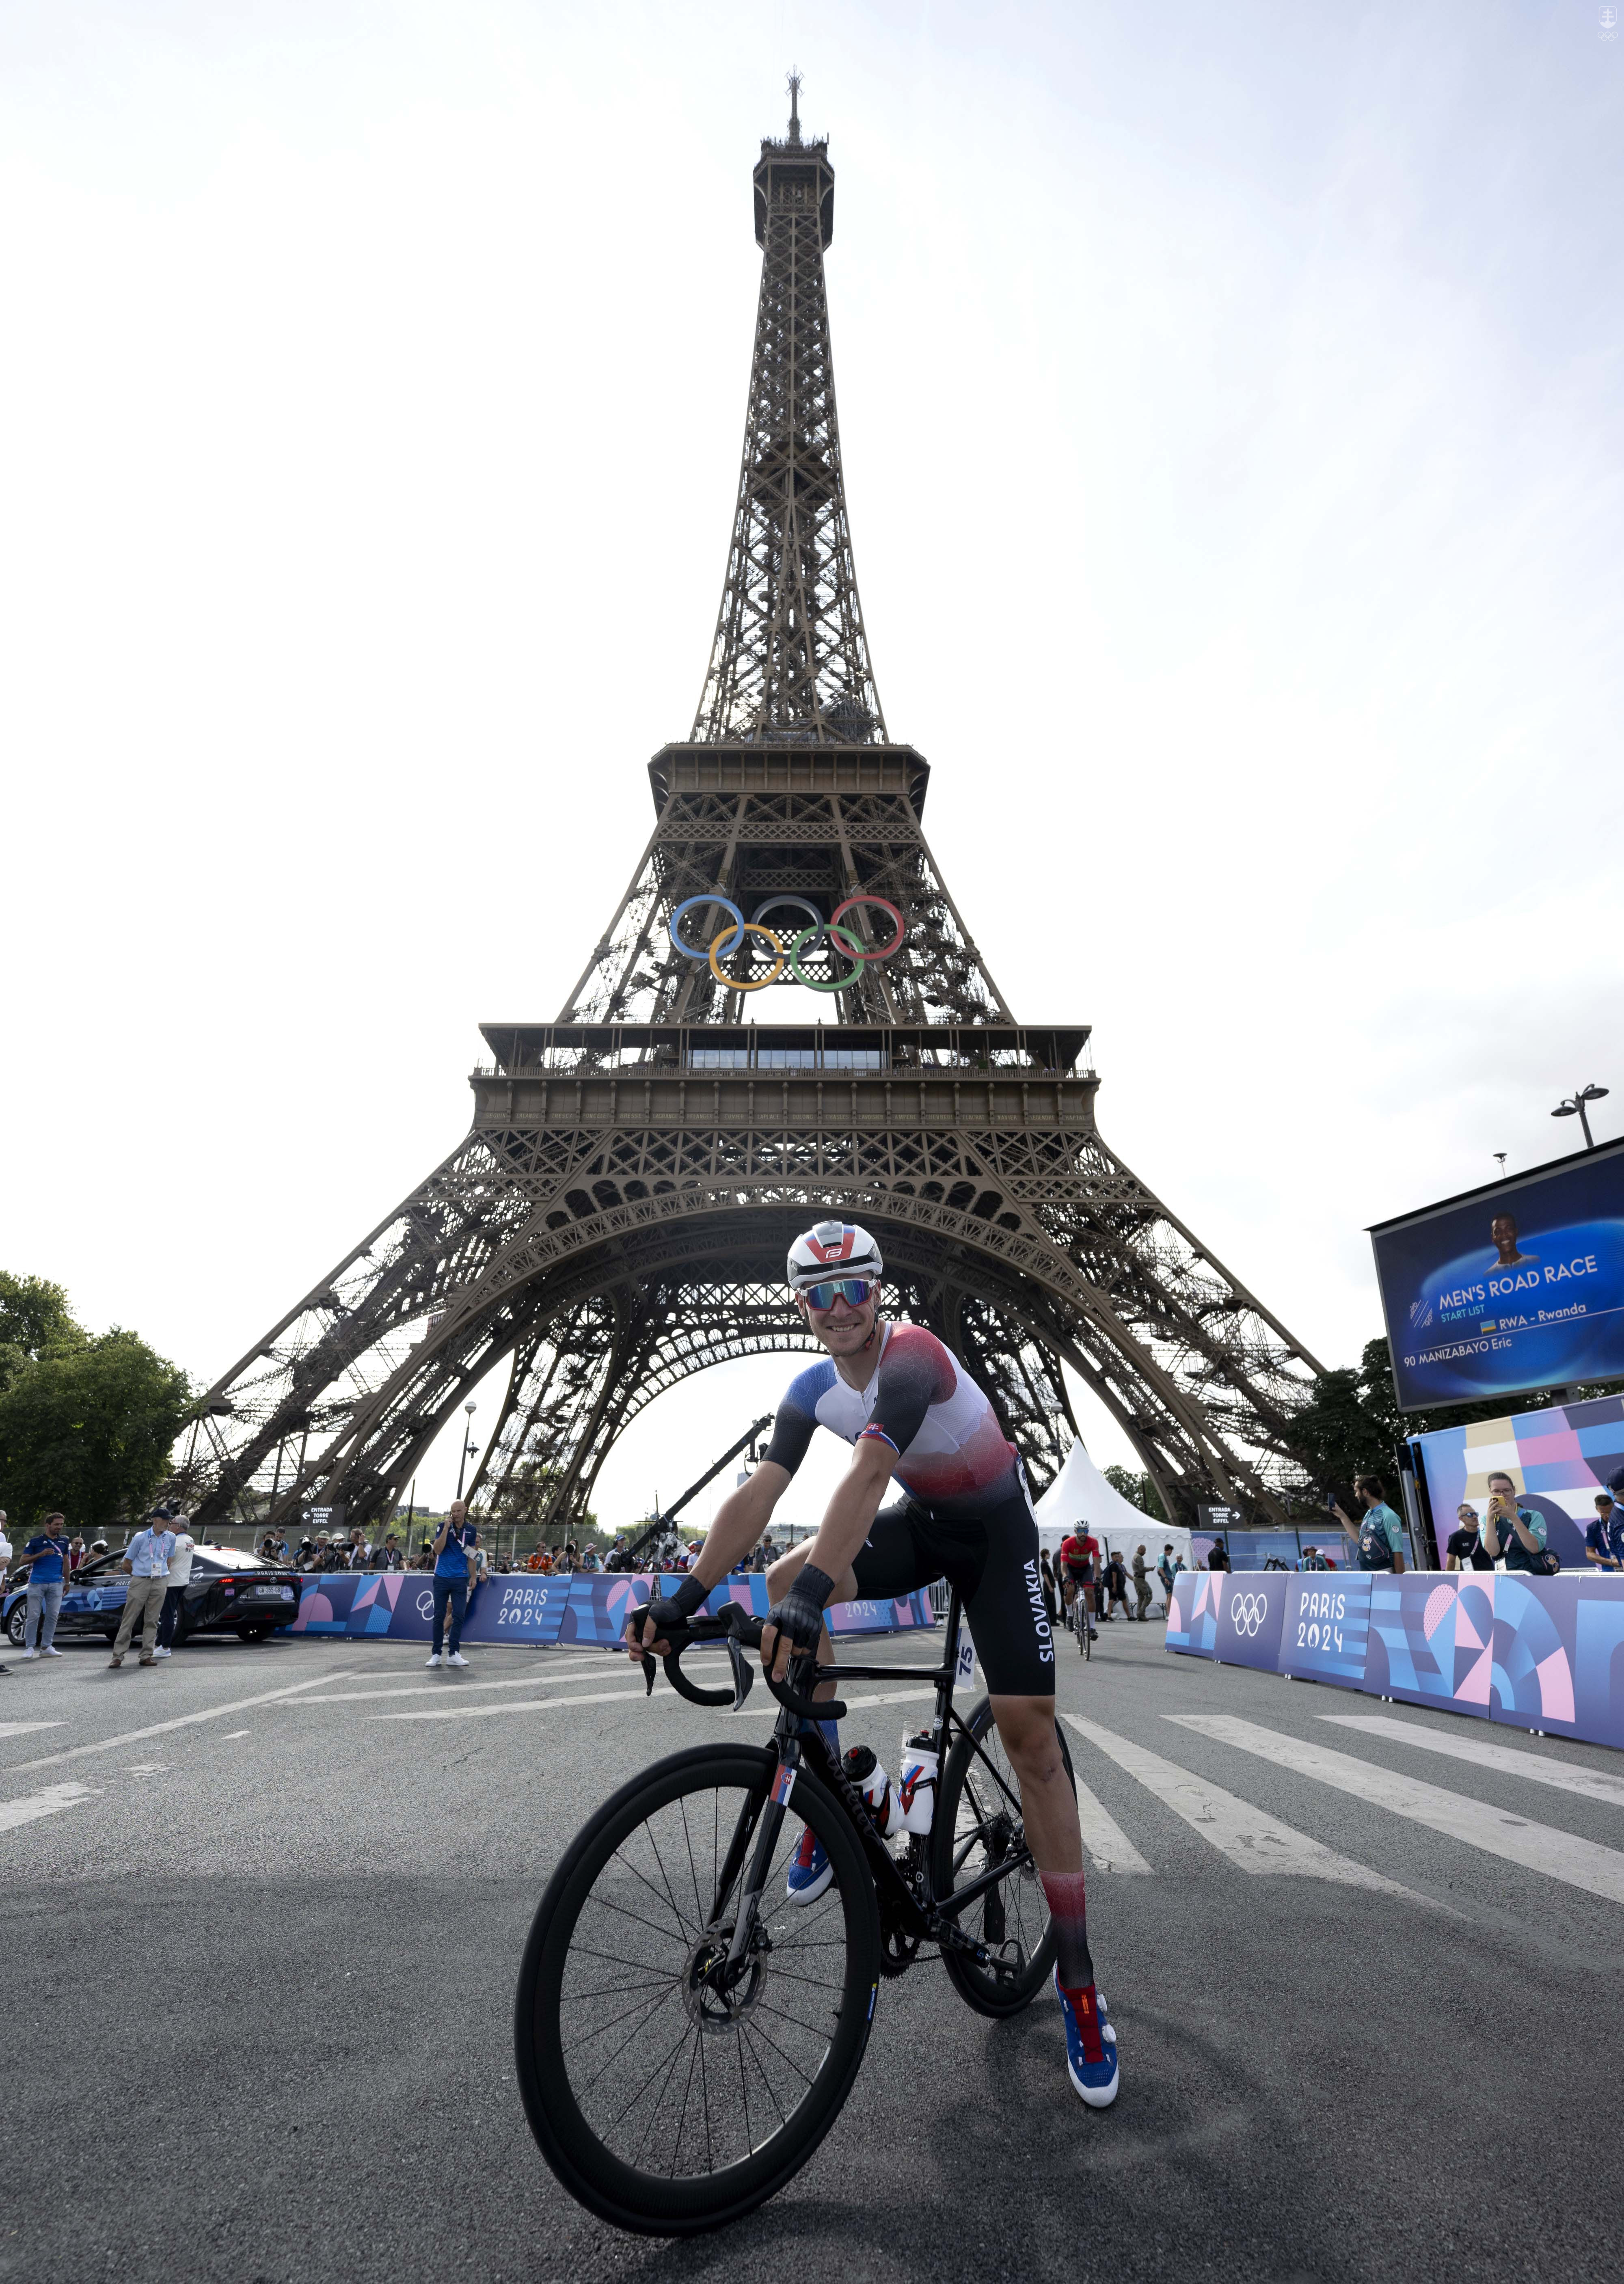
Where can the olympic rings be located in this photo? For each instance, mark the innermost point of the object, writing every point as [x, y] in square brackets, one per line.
[851, 945]
[885, 951]
[732, 939]
[736, 982]
[687, 905]
[1247, 1613]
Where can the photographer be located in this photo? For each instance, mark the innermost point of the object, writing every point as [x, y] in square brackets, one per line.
[1380, 1534]
[1512, 1534]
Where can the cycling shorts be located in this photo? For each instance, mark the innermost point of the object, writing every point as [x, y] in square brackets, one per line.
[993, 1559]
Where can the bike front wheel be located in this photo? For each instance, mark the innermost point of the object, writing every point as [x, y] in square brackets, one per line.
[977, 1827]
[670, 2088]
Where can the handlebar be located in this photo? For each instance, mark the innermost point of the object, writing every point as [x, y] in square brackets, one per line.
[741, 1631]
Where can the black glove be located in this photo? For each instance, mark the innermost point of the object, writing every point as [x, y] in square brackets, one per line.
[667, 1611]
[799, 1616]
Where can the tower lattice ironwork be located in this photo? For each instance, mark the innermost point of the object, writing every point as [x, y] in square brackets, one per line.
[617, 1216]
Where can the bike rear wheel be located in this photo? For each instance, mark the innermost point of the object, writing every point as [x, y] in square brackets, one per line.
[978, 1825]
[668, 2091]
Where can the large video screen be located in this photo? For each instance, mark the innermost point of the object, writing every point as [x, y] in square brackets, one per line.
[1518, 1285]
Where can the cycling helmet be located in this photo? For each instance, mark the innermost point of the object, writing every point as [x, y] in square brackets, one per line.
[834, 1248]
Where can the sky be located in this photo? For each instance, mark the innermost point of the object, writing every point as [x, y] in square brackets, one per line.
[1231, 406]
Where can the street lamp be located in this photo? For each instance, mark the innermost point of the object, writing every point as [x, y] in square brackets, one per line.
[470, 1407]
[1574, 1105]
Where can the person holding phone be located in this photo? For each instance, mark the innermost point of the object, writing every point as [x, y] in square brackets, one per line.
[451, 1550]
[1380, 1535]
[1512, 1534]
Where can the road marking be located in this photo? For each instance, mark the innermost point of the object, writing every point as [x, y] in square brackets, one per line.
[22, 1728]
[231, 1735]
[1591, 1784]
[1538, 1846]
[1252, 1840]
[1102, 1836]
[519, 1705]
[13, 1812]
[444, 1688]
[162, 1728]
[852, 1704]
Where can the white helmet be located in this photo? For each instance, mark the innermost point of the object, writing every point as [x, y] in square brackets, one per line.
[834, 1248]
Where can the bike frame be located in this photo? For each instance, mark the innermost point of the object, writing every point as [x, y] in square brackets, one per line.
[908, 1903]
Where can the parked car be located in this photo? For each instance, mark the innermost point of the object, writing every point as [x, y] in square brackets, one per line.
[230, 1593]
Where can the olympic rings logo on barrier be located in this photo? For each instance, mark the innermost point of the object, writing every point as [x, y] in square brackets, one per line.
[788, 955]
[1247, 1612]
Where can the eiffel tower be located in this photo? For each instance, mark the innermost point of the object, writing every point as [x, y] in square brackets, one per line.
[618, 1214]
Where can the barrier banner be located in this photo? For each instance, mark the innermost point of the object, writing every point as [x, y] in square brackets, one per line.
[1236, 1621]
[1502, 1645]
[521, 1605]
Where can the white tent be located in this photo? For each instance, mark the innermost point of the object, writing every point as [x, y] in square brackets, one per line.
[1080, 1493]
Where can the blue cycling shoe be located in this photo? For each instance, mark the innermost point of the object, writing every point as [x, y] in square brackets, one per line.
[1096, 2082]
[811, 1872]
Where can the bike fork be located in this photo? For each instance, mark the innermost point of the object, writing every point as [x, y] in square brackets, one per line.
[766, 1841]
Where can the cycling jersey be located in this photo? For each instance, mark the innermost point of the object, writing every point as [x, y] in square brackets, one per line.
[952, 1455]
[1079, 1555]
[967, 1517]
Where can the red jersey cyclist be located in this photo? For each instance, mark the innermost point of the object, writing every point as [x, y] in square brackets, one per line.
[1079, 1560]
[911, 1412]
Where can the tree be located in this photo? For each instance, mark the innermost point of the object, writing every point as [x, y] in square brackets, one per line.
[89, 1427]
[1139, 1491]
[33, 1322]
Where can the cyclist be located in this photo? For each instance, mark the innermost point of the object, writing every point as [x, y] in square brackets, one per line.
[1078, 1554]
[908, 1409]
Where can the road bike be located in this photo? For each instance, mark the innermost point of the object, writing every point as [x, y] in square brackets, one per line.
[686, 2036]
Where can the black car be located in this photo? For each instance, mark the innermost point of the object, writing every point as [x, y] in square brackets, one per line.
[230, 1593]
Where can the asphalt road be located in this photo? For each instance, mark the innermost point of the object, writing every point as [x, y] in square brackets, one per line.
[260, 1970]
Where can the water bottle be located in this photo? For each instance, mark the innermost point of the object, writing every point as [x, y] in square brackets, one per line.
[872, 1781]
[914, 1802]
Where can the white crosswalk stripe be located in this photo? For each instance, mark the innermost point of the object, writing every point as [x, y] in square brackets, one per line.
[1108, 1844]
[1252, 1840]
[518, 1705]
[13, 1812]
[1538, 1846]
[1509, 1760]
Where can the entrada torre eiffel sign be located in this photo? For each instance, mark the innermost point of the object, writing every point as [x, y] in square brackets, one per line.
[618, 1214]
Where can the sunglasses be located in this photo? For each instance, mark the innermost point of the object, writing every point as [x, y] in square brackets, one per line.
[852, 1290]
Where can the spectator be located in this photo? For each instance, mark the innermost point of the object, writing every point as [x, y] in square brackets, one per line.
[452, 1547]
[1051, 1588]
[1219, 1558]
[1603, 1539]
[146, 1561]
[390, 1554]
[1117, 1582]
[76, 1552]
[47, 1555]
[179, 1579]
[358, 1553]
[1464, 1550]
[1312, 1559]
[591, 1560]
[5, 1550]
[1380, 1534]
[1141, 1585]
[1166, 1572]
[1512, 1534]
